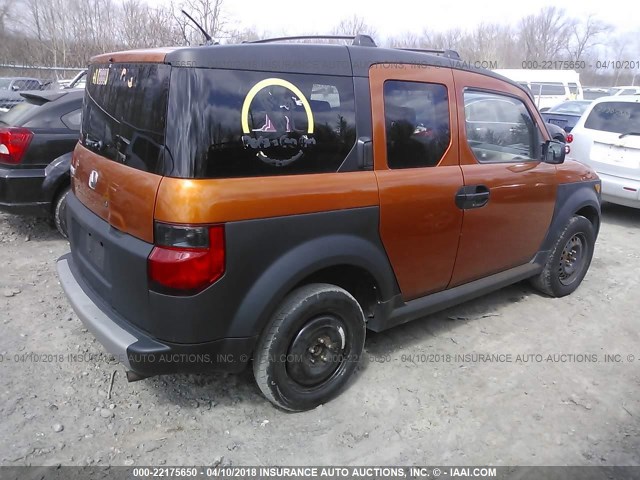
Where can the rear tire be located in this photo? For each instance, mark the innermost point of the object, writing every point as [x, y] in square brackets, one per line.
[310, 348]
[60, 212]
[569, 259]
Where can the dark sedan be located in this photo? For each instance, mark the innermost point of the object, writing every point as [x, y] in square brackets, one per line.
[37, 137]
[566, 114]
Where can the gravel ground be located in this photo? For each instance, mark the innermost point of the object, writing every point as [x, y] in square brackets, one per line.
[411, 402]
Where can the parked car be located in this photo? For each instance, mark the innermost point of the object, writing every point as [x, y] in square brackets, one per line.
[548, 87]
[607, 138]
[10, 88]
[233, 213]
[625, 90]
[592, 93]
[78, 81]
[566, 114]
[36, 140]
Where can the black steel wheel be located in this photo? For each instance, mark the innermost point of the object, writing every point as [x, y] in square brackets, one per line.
[310, 348]
[569, 260]
[60, 212]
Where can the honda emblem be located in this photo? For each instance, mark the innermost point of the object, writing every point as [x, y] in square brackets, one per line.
[93, 179]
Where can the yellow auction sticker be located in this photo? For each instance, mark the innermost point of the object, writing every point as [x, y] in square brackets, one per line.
[274, 82]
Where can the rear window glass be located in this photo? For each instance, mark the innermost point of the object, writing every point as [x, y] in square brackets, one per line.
[576, 107]
[125, 114]
[592, 95]
[226, 123]
[19, 114]
[615, 117]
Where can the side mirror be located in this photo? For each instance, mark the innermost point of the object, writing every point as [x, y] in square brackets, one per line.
[15, 88]
[554, 152]
[544, 109]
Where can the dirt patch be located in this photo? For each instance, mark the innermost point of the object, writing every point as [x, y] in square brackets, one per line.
[513, 378]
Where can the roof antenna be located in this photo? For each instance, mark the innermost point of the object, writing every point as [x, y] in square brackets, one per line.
[204, 32]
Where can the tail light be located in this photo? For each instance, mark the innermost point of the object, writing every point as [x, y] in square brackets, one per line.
[569, 137]
[186, 259]
[14, 141]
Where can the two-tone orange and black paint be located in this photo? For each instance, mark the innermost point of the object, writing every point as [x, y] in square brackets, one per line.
[401, 242]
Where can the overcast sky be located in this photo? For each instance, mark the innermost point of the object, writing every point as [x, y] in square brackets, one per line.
[395, 17]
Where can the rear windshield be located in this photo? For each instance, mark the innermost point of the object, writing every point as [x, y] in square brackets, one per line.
[615, 117]
[575, 107]
[232, 123]
[591, 95]
[125, 114]
[19, 114]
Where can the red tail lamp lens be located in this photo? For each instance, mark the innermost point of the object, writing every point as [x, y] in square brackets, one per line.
[186, 259]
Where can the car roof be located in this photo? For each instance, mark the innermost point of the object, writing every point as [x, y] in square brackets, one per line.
[618, 98]
[319, 59]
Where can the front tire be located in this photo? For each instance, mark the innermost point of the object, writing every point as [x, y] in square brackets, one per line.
[569, 259]
[60, 212]
[310, 348]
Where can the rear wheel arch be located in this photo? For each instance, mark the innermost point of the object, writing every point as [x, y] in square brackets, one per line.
[322, 260]
[356, 280]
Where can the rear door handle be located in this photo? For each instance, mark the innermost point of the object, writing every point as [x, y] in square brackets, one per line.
[472, 196]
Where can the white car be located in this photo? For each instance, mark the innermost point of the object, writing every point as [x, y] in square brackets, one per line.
[625, 90]
[607, 138]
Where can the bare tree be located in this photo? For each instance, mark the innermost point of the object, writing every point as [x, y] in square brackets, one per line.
[585, 35]
[354, 25]
[407, 40]
[545, 36]
[208, 13]
[243, 35]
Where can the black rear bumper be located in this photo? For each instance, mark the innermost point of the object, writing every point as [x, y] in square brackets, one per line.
[138, 351]
[21, 191]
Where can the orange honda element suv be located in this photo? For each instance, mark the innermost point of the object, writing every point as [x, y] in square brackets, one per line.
[267, 203]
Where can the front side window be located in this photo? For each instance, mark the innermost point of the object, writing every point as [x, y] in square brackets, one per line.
[417, 123]
[615, 117]
[499, 128]
[573, 88]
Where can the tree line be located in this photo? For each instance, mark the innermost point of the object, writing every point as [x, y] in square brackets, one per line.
[66, 33]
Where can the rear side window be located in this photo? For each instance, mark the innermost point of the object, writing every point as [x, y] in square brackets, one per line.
[499, 128]
[27, 84]
[73, 119]
[416, 122]
[615, 117]
[228, 123]
[124, 115]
